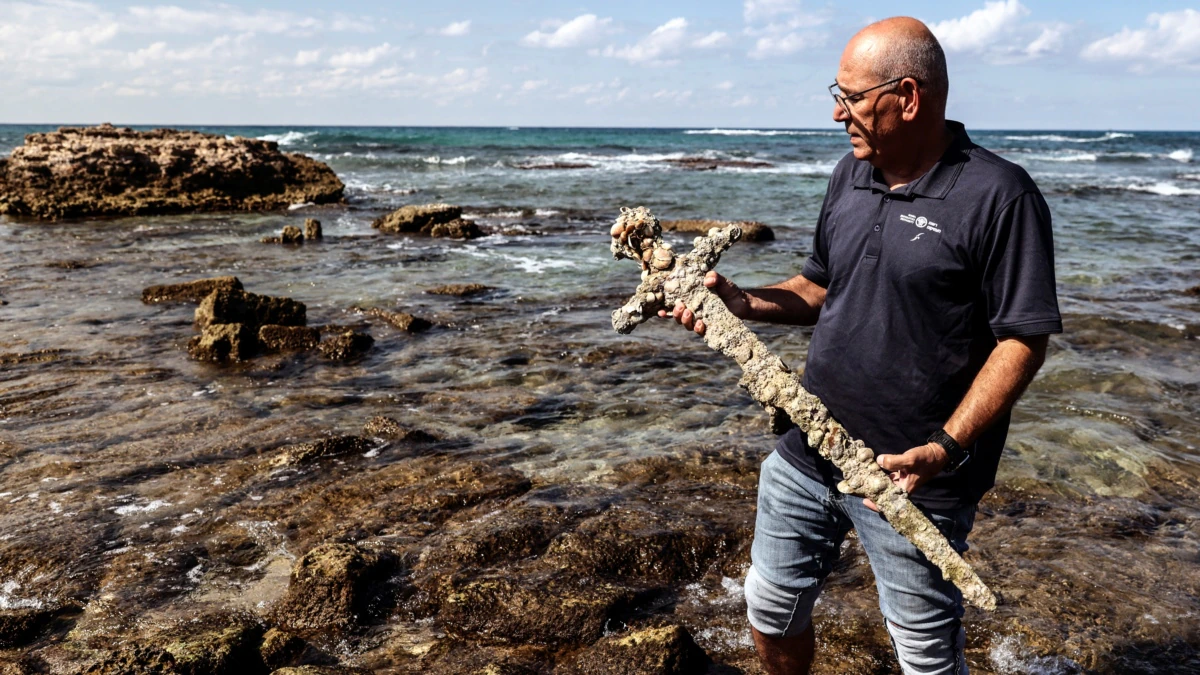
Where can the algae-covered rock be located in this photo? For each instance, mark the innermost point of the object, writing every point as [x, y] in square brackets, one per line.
[386, 427]
[312, 229]
[78, 172]
[543, 606]
[280, 648]
[346, 346]
[460, 290]
[322, 670]
[331, 588]
[667, 650]
[230, 649]
[273, 338]
[221, 342]
[751, 230]
[458, 228]
[228, 305]
[190, 291]
[305, 453]
[414, 218]
[21, 626]
[135, 660]
[399, 320]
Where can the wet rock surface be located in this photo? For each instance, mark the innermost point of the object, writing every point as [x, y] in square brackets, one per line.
[226, 305]
[345, 346]
[751, 231]
[331, 588]
[398, 320]
[667, 650]
[312, 229]
[706, 164]
[460, 290]
[221, 342]
[434, 220]
[189, 291]
[105, 170]
[273, 338]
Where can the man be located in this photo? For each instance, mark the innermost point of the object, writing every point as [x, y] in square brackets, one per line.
[931, 285]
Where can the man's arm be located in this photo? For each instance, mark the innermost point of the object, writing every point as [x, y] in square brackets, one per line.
[797, 301]
[1009, 369]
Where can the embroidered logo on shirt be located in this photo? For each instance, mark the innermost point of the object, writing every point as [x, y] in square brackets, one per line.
[917, 237]
[922, 223]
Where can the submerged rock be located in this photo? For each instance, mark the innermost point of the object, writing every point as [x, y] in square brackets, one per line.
[401, 320]
[322, 670]
[415, 218]
[669, 650]
[386, 427]
[104, 170]
[312, 229]
[751, 230]
[330, 588]
[229, 648]
[290, 235]
[222, 342]
[455, 229]
[435, 220]
[305, 453]
[346, 346]
[460, 290]
[135, 660]
[706, 164]
[19, 627]
[273, 338]
[226, 305]
[280, 648]
[189, 291]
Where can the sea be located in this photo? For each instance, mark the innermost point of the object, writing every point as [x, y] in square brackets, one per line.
[532, 370]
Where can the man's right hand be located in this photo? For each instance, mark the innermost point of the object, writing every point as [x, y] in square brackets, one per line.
[733, 297]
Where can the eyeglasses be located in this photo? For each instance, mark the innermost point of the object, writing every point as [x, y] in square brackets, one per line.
[845, 100]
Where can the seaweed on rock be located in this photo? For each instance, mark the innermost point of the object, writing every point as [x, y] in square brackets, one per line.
[668, 278]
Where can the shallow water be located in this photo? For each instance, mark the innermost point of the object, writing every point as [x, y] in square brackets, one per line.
[121, 459]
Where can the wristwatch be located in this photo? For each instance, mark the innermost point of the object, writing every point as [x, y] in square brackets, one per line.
[956, 456]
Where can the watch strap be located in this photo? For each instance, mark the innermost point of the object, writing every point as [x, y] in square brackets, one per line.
[956, 455]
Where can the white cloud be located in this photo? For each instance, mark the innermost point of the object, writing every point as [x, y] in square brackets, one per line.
[782, 27]
[1173, 38]
[744, 102]
[980, 29]
[172, 19]
[533, 85]
[307, 57]
[664, 41]
[714, 39]
[723, 86]
[1050, 40]
[158, 53]
[360, 58]
[578, 32]
[456, 29]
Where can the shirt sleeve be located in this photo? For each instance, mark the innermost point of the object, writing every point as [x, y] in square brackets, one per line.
[816, 268]
[1018, 273]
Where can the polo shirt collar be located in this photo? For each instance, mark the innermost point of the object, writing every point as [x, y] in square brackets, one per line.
[936, 183]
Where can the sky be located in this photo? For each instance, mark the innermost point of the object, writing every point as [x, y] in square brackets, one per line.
[1014, 64]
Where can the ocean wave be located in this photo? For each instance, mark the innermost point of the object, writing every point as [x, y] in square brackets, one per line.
[387, 187]
[759, 132]
[1165, 189]
[1189, 176]
[1058, 138]
[289, 138]
[436, 159]
[1184, 156]
[1064, 156]
[645, 162]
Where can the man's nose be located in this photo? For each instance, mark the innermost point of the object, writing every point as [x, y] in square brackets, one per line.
[839, 113]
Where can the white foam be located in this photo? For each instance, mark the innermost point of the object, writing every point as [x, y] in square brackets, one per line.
[546, 213]
[1165, 189]
[759, 132]
[1184, 155]
[1065, 156]
[1010, 657]
[1058, 138]
[134, 508]
[10, 601]
[305, 205]
[289, 138]
[436, 159]
[1182, 176]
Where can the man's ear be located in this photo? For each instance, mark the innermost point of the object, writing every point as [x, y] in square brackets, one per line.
[910, 99]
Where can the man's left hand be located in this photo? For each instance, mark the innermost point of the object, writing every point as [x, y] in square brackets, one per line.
[912, 468]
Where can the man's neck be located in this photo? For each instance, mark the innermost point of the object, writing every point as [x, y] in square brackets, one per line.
[924, 157]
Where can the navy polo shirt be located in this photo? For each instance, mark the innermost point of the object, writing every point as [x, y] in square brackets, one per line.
[920, 282]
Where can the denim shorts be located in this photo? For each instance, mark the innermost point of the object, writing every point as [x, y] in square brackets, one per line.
[798, 534]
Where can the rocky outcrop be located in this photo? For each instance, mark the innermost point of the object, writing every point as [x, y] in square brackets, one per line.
[435, 220]
[460, 290]
[390, 429]
[751, 230]
[93, 171]
[290, 235]
[669, 650]
[226, 305]
[273, 338]
[330, 588]
[189, 291]
[399, 320]
[345, 346]
[312, 229]
[221, 342]
[306, 453]
[706, 164]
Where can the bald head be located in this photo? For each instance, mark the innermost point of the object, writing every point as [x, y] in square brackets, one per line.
[902, 47]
